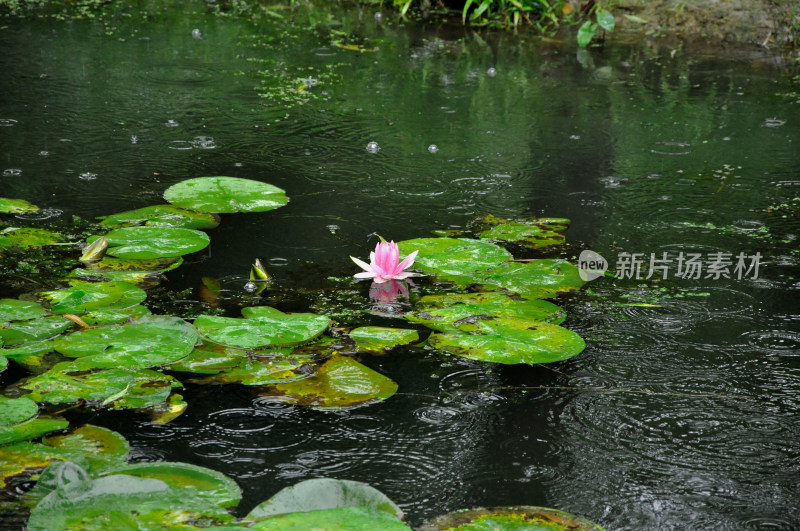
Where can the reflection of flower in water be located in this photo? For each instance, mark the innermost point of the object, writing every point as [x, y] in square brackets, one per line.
[388, 291]
[390, 299]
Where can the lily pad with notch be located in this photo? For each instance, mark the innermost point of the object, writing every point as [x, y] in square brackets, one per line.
[263, 368]
[534, 279]
[225, 195]
[262, 327]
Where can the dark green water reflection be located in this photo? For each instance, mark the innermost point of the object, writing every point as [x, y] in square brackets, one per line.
[681, 415]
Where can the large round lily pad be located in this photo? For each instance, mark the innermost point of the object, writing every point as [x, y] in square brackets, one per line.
[162, 216]
[17, 310]
[153, 341]
[458, 260]
[262, 327]
[527, 518]
[325, 493]
[144, 243]
[225, 195]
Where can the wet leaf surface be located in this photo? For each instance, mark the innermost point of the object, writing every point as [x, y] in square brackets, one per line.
[146, 243]
[225, 195]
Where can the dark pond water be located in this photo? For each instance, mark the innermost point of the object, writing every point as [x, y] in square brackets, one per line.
[682, 413]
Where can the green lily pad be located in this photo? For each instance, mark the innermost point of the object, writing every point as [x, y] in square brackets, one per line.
[509, 340]
[149, 265]
[340, 382]
[16, 410]
[520, 518]
[535, 279]
[16, 333]
[120, 388]
[349, 518]
[457, 260]
[98, 443]
[28, 237]
[162, 216]
[325, 493]
[267, 367]
[16, 206]
[83, 296]
[439, 312]
[150, 342]
[17, 310]
[81, 502]
[145, 243]
[382, 337]
[225, 195]
[210, 358]
[262, 327]
[196, 482]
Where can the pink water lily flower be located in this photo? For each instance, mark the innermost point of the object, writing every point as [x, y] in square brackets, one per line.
[384, 264]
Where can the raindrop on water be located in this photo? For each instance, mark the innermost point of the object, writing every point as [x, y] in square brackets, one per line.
[171, 123]
[373, 147]
[491, 71]
[7, 122]
[44, 153]
[774, 122]
[12, 172]
[378, 16]
[87, 176]
[433, 148]
[196, 34]
[134, 139]
[250, 287]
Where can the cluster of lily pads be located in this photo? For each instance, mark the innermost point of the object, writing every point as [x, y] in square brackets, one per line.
[94, 343]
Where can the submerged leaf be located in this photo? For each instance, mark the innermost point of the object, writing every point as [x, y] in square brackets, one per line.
[27, 237]
[340, 382]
